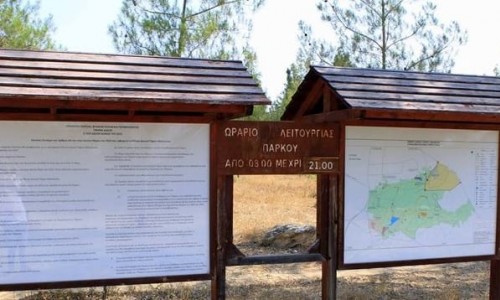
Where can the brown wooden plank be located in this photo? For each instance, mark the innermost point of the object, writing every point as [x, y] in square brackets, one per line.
[406, 105]
[328, 104]
[415, 92]
[111, 118]
[223, 220]
[494, 279]
[440, 77]
[137, 107]
[433, 116]
[166, 78]
[330, 268]
[275, 259]
[22, 93]
[119, 112]
[314, 150]
[119, 59]
[419, 99]
[311, 98]
[113, 68]
[334, 116]
[125, 86]
[335, 81]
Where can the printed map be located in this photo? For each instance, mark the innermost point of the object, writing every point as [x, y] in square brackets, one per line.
[420, 206]
[419, 193]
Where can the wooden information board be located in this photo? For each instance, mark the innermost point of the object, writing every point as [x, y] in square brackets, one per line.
[419, 194]
[124, 200]
[276, 148]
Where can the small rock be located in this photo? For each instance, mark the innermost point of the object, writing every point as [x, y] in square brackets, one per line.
[289, 236]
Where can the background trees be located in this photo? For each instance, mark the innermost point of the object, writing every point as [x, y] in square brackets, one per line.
[393, 34]
[311, 51]
[396, 34]
[385, 34]
[214, 29]
[22, 28]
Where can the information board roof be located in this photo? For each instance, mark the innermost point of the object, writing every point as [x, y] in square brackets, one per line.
[392, 91]
[62, 80]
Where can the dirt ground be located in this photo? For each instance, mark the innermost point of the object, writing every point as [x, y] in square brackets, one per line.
[303, 281]
[447, 282]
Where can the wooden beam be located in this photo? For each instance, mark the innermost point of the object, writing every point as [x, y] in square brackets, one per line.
[182, 97]
[132, 76]
[224, 198]
[123, 69]
[334, 116]
[131, 85]
[311, 99]
[408, 86]
[370, 74]
[138, 106]
[494, 279]
[327, 99]
[435, 116]
[182, 118]
[106, 59]
[275, 259]
[403, 115]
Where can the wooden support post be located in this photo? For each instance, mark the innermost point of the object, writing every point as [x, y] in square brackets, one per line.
[327, 190]
[494, 279]
[333, 235]
[224, 221]
[323, 230]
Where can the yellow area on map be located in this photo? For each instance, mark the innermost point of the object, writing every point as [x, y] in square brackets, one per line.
[441, 178]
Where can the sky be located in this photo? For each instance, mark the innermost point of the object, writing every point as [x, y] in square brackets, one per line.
[82, 26]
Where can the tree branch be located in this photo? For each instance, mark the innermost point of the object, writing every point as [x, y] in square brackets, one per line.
[148, 50]
[394, 7]
[412, 34]
[433, 54]
[352, 29]
[322, 59]
[212, 8]
[371, 8]
[189, 16]
[158, 12]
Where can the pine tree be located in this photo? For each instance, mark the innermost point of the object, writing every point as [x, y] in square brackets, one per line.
[393, 34]
[22, 28]
[216, 29]
[310, 52]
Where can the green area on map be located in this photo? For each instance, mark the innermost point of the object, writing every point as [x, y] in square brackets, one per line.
[411, 204]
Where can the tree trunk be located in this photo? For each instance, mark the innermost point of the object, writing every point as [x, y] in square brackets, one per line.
[383, 19]
[181, 43]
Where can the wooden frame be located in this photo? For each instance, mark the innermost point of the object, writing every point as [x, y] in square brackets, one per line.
[63, 86]
[341, 199]
[227, 253]
[52, 86]
[212, 209]
[370, 97]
